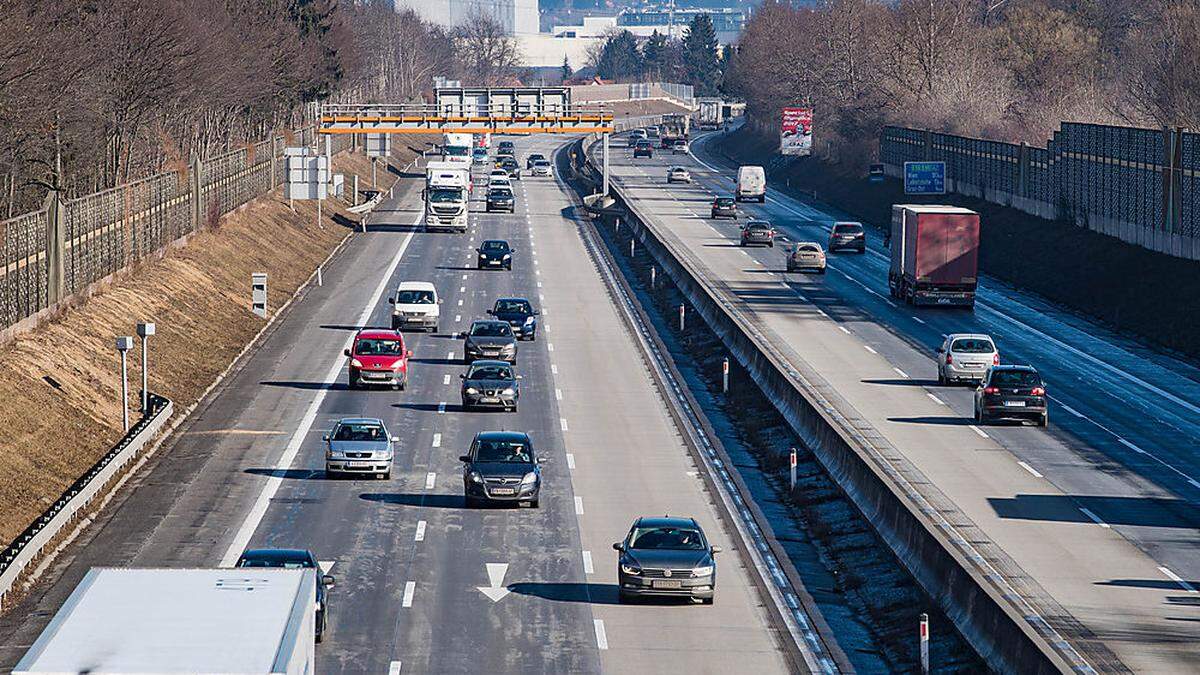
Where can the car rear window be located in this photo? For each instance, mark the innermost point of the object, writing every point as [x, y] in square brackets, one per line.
[808, 248]
[758, 226]
[725, 201]
[846, 228]
[1015, 378]
[666, 538]
[375, 347]
[972, 346]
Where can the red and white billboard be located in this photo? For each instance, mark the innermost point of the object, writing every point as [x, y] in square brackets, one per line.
[795, 133]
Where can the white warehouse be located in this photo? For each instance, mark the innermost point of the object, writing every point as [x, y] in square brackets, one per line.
[519, 17]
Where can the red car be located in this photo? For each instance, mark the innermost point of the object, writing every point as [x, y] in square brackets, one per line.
[378, 357]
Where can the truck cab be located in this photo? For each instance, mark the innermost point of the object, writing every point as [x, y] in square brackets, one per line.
[456, 149]
[447, 192]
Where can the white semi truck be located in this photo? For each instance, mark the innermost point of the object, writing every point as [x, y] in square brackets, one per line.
[447, 194]
[456, 148]
[709, 113]
[245, 620]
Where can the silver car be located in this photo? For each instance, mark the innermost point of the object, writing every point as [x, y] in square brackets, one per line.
[541, 168]
[966, 357]
[359, 445]
[678, 174]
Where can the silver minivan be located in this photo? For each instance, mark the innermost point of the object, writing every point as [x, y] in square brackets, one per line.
[966, 357]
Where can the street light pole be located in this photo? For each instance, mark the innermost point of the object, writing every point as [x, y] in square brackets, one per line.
[145, 330]
[124, 344]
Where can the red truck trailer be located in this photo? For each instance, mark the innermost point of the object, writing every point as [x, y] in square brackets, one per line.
[935, 255]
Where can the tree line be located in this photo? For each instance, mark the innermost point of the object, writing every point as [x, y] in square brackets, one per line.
[694, 59]
[94, 93]
[1005, 69]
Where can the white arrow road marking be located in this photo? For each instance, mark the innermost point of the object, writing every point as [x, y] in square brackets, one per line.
[495, 590]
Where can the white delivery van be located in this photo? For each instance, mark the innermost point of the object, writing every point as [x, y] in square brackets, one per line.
[751, 184]
[415, 305]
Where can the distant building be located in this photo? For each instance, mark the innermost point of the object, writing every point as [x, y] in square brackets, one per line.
[519, 17]
[728, 23]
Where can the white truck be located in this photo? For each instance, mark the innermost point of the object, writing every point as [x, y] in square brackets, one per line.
[456, 148]
[709, 113]
[244, 620]
[447, 193]
[751, 184]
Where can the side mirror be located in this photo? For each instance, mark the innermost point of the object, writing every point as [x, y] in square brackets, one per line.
[537, 312]
[410, 353]
[491, 312]
[462, 376]
[520, 377]
[464, 458]
[327, 580]
[325, 438]
[346, 352]
[715, 550]
[618, 546]
[391, 301]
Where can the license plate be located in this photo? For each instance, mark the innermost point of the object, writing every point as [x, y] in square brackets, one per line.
[504, 491]
[943, 301]
[1014, 404]
[667, 583]
[493, 262]
[362, 465]
[489, 399]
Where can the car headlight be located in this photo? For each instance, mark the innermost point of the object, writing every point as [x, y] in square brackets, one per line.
[702, 571]
[528, 320]
[509, 347]
[472, 347]
[631, 569]
[529, 478]
[509, 392]
[475, 477]
[356, 363]
[483, 255]
[472, 390]
[507, 256]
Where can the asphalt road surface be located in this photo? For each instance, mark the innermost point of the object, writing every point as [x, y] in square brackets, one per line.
[1099, 510]
[425, 584]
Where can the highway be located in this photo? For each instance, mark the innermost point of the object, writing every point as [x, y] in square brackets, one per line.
[425, 585]
[1099, 511]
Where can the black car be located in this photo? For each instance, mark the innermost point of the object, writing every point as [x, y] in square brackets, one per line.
[1011, 392]
[488, 339]
[519, 313]
[534, 159]
[643, 149]
[501, 199]
[505, 147]
[490, 384]
[666, 556]
[512, 167]
[847, 235]
[294, 558]
[724, 207]
[495, 254]
[501, 466]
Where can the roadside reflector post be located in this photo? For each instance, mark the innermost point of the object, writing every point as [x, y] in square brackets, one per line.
[124, 344]
[653, 274]
[924, 643]
[792, 463]
[631, 244]
[681, 314]
[725, 386]
[320, 282]
[617, 224]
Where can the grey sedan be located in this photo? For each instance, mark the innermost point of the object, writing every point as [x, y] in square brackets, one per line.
[666, 556]
[490, 340]
[490, 384]
[359, 445]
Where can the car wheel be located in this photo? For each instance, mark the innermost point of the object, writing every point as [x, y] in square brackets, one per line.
[533, 504]
[435, 329]
[708, 601]
[1044, 420]
[821, 271]
[771, 245]
[623, 598]
[513, 408]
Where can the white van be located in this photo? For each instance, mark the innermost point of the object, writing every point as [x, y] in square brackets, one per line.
[751, 184]
[415, 305]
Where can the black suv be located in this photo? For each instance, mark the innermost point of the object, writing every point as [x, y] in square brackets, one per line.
[643, 149]
[533, 159]
[847, 235]
[294, 558]
[518, 313]
[500, 198]
[666, 556]
[501, 466]
[1012, 392]
[505, 149]
[512, 167]
[495, 254]
[724, 207]
[490, 384]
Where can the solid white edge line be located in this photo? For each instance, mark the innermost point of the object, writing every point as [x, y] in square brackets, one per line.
[1030, 469]
[1095, 518]
[410, 589]
[246, 530]
[981, 432]
[870, 349]
[843, 329]
[901, 373]
[562, 422]
[1175, 577]
[935, 399]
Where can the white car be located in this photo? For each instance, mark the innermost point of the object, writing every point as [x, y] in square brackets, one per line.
[966, 357]
[499, 181]
[678, 174]
[680, 148]
[416, 305]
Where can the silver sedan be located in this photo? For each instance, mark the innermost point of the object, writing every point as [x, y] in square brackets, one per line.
[359, 445]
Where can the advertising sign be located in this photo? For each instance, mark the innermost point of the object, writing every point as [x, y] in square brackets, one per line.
[795, 133]
[924, 178]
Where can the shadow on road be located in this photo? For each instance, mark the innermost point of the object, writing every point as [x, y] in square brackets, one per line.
[417, 499]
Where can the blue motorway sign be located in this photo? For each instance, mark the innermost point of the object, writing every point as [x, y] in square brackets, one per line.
[924, 178]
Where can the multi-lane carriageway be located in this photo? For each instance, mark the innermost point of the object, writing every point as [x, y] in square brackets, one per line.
[1099, 510]
[423, 583]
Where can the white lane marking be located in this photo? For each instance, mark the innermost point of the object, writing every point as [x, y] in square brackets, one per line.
[446, 379]
[430, 480]
[246, 530]
[843, 329]
[1095, 518]
[1131, 446]
[460, 303]
[570, 461]
[1175, 577]
[394, 668]
[870, 349]
[437, 440]
[442, 408]
[539, 284]
[549, 346]
[562, 422]
[979, 431]
[1069, 409]
[553, 368]
[935, 399]
[601, 637]
[410, 588]
[450, 355]
[542, 298]
[901, 373]
[464, 276]
[919, 320]
[420, 535]
[495, 590]
[457, 318]
[587, 563]
[579, 506]
[462, 289]
[1030, 469]
[558, 394]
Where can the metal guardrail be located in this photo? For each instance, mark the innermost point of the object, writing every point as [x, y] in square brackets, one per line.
[26, 548]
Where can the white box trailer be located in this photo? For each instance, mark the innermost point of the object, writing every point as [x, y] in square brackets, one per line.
[182, 621]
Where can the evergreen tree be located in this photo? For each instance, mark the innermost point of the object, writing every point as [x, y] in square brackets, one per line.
[655, 54]
[620, 58]
[701, 65]
[566, 69]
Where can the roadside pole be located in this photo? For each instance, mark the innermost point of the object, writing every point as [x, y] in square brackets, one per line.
[604, 191]
[124, 344]
[792, 463]
[924, 643]
[725, 382]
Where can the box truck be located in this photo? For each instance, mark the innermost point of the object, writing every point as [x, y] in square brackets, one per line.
[456, 148]
[709, 113]
[935, 251]
[751, 184]
[181, 621]
[447, 193]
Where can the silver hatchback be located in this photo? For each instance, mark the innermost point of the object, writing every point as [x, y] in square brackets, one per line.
[966, 357]
[359, 445]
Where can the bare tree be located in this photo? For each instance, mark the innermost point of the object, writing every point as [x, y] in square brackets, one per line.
[487, 53]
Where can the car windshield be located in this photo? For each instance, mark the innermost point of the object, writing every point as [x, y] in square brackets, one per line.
[758, 226]
[1015, 378]
[456, 150]
[286, 563]
[491, 329]
[513, 452]
[495, 245]
[972, 346]
[490, 372]
[445, 195]
[847, 229]
[541, 163]
[666, 538]
[377, 347]
[500, 192]
[536, 158]
[410, 297]
[359, 432]
[520, 306]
